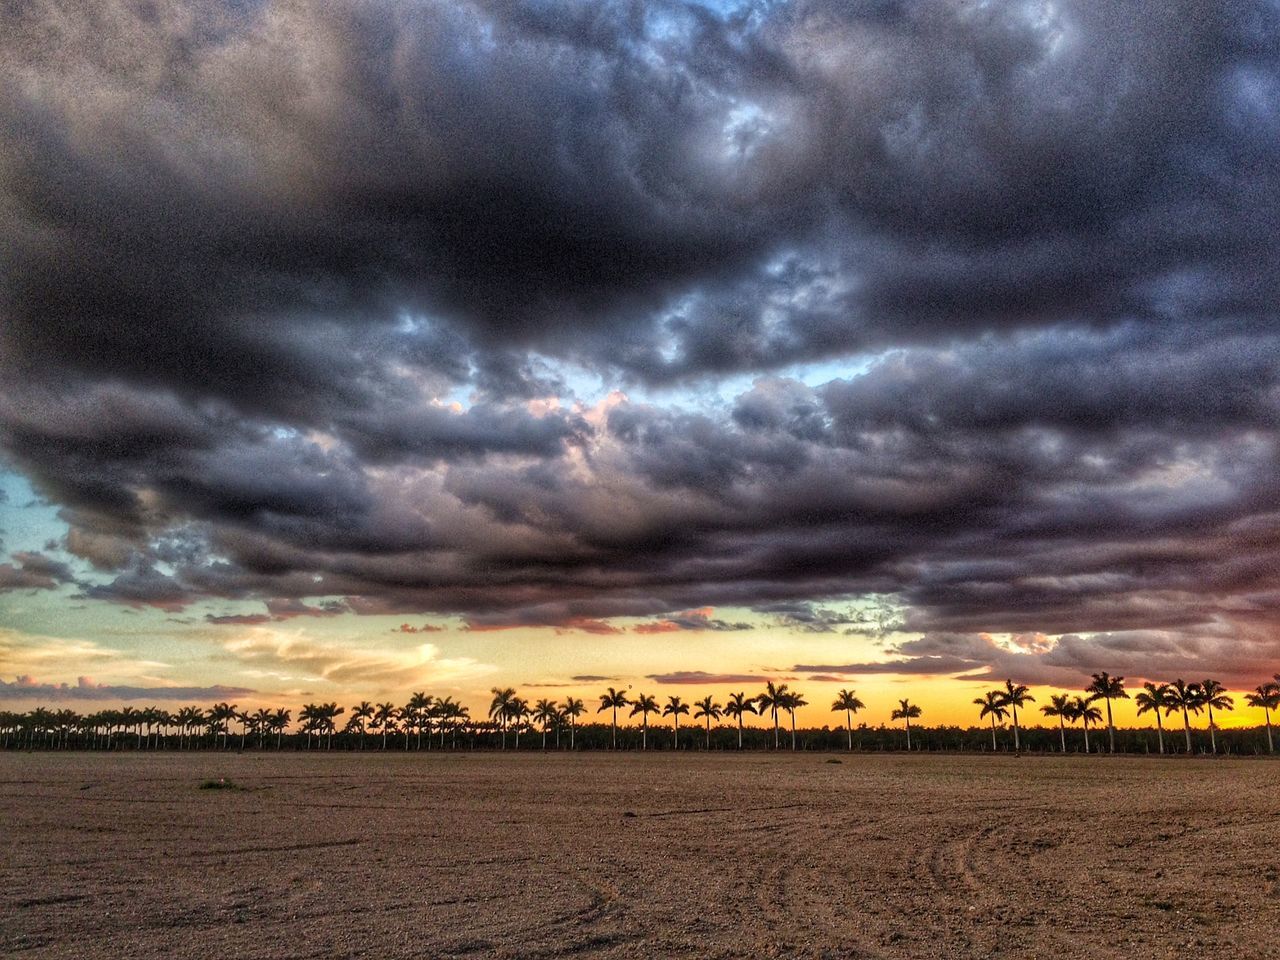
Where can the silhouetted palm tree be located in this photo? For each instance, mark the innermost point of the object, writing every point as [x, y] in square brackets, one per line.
[219, 717]
[361, 714]
[518, 713]
[415, 714]
[847, 701]
[1267, 697]
[500, 709]
[1185, 697]
[1108, 687]
[1084, 711]
[573, 709]
[261, 723]
[384, 719]
[707, 707]
[992, 704]
[190, 719]
[1213, 694]
[1153, 698]
[674, 708]
[449, 712]
[906, 711]
[612, 701]
[545, 712]
[308, 720]
[791, 702]
[1059, 706]
[279, 723]
[772, 700]
[739, 704]
[644, 705]
[1015, 695]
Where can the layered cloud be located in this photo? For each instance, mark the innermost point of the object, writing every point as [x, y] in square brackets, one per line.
[27, 688]
[555, 315]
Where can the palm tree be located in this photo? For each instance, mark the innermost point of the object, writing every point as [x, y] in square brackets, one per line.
[993, 706]
[1185, 697]
[906, 711]
[644, 705]
[279, 723]
[546, 712]
[772, 700]
[189, 719]
[612, 701]
[1059, 706]
[848, 701]
[261, 722]
[384, 719]
[308, 718]
[792, 701]
[573, 709]
[707, 707]
[500, 708]
[1266, 696]
[1213, 694]
[220, 715]
[1084, 711]
[326, 714]
[1015, 695]
[243, 717]
[675, 706]
[417, 711]
[447, 711]
[360, 715]
[739, 704]
[1153, 698]
[518, 713]
[1108, 687]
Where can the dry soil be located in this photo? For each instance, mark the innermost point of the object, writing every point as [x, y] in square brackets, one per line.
[488, 855]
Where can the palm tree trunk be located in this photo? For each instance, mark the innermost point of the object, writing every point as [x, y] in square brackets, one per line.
[572, 725]
[1017, 742]
[908, 735]
[793, 730]
[1213, 740]
[1086, 736]
[709, 731]
[1160, 732]
[1186, 727]
[994, 748]
[1111, 727]
[1062, 733]
[775, 728]
[676, 717]
[644, 733]
[739, 731]
[1270, 746]
[848, 727]
[615, 729]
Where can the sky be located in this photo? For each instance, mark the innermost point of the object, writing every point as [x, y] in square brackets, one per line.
[355, 348]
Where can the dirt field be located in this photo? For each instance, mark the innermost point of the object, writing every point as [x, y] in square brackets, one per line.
[637, 856]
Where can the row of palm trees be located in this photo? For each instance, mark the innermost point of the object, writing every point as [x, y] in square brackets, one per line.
[512, 714]
[1176, 697]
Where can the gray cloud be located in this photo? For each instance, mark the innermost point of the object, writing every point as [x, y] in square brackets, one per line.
[25, 688]
[302, 295]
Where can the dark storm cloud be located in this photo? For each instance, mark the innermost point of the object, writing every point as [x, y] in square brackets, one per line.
[296, 298]
[33, 571]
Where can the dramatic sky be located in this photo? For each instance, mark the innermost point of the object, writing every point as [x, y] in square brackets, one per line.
[352, 348]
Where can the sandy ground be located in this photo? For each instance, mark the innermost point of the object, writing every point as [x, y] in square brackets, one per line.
[637, 856]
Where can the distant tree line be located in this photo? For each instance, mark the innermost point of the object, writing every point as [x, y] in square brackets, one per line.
[425, 722]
